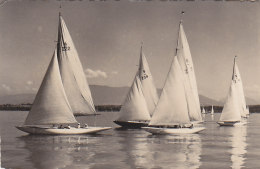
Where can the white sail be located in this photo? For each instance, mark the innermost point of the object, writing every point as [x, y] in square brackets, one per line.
[247, 111]
[231, 111]
[149, 89]
[186, 63]
[134, 106]
[172, 105]
[51, 105]
[203, 111]
[212, 110]
[239, 85]
[72, 74]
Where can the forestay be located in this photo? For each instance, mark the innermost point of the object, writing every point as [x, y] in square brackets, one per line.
[148, 87]
[73, 77]
[51, 105]
[186, 63]
[172, 105]
[134, 106]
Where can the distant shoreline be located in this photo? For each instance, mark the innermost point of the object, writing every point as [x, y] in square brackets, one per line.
[27, 107]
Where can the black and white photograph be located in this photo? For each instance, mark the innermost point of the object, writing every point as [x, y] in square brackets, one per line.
[129, 84]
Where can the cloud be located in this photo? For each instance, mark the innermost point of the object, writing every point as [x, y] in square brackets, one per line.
[95, 73]
[8, 88]
[29, 82]
[39, 28]
[114, 72]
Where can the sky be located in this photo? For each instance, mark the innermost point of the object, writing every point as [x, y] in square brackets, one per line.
[108, 36]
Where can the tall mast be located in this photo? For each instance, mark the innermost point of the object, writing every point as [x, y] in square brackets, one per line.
[182, 13]
[234, 67]
[59, 35]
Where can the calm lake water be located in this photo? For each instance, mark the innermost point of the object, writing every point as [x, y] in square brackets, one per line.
[216, 147]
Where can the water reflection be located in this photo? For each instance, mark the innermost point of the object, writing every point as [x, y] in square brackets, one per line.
[239, 145]
[0, 152]
[203, 116]
[212, 117]
[180, 151]
[53, 151]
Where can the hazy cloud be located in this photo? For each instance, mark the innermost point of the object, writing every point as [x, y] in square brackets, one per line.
[8, 88]
[95, 73]
[39, 28]
[29, 82]
[114, 72]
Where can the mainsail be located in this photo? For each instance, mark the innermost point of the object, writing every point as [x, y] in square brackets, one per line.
[134, 106]
[72, 74]
[240, 92]
[148, 87]
[185, 60]
[231, 111]
[172, 105]
[51, 105]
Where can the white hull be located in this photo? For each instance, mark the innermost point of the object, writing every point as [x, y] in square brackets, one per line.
[57, 131]
[156, 130]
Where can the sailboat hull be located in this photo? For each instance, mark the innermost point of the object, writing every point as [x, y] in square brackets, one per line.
[231, 123]
[157, 130]
[57, 131]
[132, 124]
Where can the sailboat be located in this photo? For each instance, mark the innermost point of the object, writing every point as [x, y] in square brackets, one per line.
[203, 111]
[232, 112]
[185, 60]
[212, 110]
[240, 91]
[141, 99]
[51, 106]
[247, 111]
[171, 115]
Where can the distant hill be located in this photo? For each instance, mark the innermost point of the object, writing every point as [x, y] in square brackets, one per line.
[102, 95]
[17, 99]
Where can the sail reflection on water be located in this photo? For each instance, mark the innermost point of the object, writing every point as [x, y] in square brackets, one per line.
[186, 151]
[239, 145]
[212, 117]
[54, 151]
[137, 152]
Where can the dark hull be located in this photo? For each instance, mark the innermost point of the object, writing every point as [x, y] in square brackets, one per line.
[131, 124]
[230, 123]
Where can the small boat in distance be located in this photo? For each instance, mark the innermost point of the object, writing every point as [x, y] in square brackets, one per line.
[212, 110]
[232, 113]
[51, 110]
[171, 114]
[203, 111]
[247, 111]
[141, 99]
